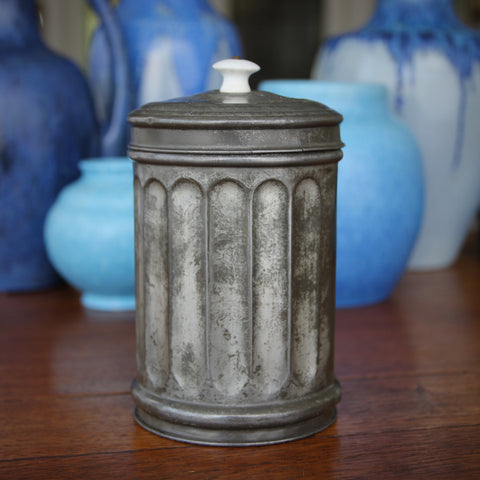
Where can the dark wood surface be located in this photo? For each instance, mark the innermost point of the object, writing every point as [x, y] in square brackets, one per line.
[409, 370]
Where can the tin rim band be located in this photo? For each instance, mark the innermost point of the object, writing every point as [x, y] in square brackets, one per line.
[176, 158]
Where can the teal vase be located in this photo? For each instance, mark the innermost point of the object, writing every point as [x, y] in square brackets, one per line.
[89, 234]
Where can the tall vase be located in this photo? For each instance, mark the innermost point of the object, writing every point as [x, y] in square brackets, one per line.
[89, 234]
[47, 124]
[380, 188]
[171, 45]
[430, 63]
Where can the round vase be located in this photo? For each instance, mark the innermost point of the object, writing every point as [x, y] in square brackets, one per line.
[380, 188]
[89, 234]
[171, 46]
[430, 64]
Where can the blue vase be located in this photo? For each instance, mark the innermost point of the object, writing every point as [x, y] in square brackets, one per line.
[47, 124]
[430, 64]
[89, 234]
[171, 47]
[380, 188]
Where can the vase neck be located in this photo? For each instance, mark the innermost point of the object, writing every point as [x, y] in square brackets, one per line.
[433, 4]
[18, 23]
[153, 8]
[396, 14]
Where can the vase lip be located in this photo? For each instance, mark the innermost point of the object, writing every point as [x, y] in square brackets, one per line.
[148, 9]
[351, 99]
[311, 85]
[106, 165]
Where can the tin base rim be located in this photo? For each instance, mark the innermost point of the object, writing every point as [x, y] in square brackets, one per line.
[225, 437]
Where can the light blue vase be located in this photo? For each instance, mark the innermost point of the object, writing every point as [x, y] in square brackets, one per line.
[47, 124]
[380, 188]
[89, 234]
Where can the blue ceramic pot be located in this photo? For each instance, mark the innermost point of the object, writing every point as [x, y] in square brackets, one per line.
[171, 46]
[89, 234]
[430, 64]
[380, 188]
[47, 124]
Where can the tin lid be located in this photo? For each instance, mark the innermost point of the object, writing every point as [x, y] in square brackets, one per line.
[235, 126]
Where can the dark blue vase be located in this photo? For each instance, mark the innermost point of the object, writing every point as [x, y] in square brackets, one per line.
[47, 124]
[171, 46]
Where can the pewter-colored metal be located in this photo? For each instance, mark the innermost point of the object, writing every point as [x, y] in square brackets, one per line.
[235, 267]
[234, 129]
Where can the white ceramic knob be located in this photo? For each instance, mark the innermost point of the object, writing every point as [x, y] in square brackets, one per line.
[235, 74]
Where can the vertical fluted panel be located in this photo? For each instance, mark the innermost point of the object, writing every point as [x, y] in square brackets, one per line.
[270, 287]
[229, 287]
[327, 281]
[139, 281]
[306, 246]
[156, 284]
[187, 217]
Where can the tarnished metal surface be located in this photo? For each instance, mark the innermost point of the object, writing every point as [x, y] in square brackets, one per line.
[229, 126]
[235, 294]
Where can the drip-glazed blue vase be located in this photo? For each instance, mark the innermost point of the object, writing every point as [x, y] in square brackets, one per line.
[430, 63]
[47, 124]
[89, 234]
[171, 45]
[380, 188]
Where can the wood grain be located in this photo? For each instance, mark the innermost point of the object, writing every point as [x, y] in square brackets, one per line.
[447, 453]
[409, 370]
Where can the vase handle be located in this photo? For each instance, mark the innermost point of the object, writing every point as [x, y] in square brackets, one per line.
[113, 136]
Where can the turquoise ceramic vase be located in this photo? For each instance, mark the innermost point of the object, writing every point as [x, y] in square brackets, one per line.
[380, 188]
[430, 64]
[89, 234]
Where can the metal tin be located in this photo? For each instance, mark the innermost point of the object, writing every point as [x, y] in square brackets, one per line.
[235, 200]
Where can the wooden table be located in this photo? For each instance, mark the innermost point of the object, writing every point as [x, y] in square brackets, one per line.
[409, 370]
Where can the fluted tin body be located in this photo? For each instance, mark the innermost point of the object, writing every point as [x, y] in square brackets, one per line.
[235, 267]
